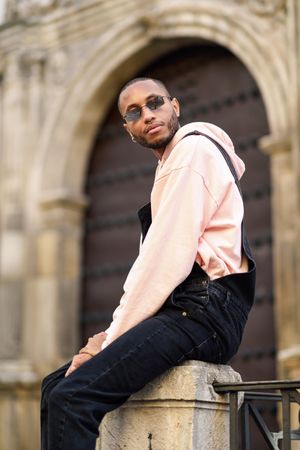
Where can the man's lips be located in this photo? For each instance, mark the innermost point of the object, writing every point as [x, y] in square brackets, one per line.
[153, 128]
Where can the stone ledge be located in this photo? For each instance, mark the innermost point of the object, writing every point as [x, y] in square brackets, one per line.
[191, 380]
[178, 410]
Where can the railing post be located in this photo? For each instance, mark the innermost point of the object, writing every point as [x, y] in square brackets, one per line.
[234, 424]
[286, 420]
[245, 438]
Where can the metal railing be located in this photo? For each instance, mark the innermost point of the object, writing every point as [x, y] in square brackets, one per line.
[253, 391]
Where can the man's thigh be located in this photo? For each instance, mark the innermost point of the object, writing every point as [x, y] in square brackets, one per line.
[137, 357]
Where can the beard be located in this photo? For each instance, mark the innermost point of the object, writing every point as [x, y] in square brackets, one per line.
[172, 126]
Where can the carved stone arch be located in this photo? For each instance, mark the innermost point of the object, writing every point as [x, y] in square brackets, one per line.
[58, 176]
[241, 32]
[122, 52]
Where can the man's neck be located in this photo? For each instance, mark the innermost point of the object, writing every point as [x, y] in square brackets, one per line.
[158, 152]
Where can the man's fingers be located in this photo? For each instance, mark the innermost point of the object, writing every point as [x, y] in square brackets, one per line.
[77, 361]
[94, 343]
[72, 367]
[70, 370]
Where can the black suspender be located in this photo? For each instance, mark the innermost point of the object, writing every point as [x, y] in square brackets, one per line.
[224, 153]
[245, 242]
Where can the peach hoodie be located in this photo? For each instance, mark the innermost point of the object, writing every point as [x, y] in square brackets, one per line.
[197, 212]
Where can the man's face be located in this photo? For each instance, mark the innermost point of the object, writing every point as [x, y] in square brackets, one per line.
[154, 128]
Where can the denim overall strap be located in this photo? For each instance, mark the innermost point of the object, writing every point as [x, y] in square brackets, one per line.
[145, 217]
[227, 158]
[242, 285]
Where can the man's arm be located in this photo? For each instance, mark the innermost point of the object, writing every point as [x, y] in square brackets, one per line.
[168, 251]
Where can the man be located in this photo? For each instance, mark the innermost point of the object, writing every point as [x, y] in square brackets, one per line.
[188, 294]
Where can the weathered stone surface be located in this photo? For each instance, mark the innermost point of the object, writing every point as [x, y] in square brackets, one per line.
[19, 414]
[178, 410]
[10, 329]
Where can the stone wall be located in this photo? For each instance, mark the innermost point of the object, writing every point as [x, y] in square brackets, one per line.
[61, 64]
[19, 415]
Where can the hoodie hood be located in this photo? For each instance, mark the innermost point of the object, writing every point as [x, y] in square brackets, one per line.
[216, 133]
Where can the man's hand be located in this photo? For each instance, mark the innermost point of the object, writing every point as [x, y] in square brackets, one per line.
[77, 361]
[94, 344]
[91, 349]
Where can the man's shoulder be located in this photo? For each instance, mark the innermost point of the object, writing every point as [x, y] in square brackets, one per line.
[195, 149]
[190, 148]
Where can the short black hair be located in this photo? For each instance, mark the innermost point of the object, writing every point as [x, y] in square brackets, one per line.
[136, 80]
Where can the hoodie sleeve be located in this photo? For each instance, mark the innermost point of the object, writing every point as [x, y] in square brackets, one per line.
[169, 250]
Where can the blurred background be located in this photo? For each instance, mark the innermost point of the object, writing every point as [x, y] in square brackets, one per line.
[71, 181]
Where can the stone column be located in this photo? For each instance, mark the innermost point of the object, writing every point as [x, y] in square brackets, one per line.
[52, 296]
[290, 355]
[293, 51]
[20, 99]
[19, 412]
[286, 251]
[178, 410]
[12, 223]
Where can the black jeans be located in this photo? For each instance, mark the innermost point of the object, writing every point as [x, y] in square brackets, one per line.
[72, 407]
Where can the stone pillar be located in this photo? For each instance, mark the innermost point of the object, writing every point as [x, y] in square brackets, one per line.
[293, 51]
[13, 262]
[178, 410]
[52, 296]
[286, 252]
[20, 98]
[19, 412]
[290, 354]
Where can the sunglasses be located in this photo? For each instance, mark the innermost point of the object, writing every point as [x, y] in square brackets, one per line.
[152, 104]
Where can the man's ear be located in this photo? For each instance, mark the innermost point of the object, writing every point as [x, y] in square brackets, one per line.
[176, 106]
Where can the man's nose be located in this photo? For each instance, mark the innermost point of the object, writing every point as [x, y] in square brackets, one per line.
[147, 114]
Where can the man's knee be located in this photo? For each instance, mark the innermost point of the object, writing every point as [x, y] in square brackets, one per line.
[57, 398]
[46, 381]
[53, 390]
[53, 378]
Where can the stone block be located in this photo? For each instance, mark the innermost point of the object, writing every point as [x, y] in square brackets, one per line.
[12, 255]
[48, 253]
[178, 410]
[11, 310]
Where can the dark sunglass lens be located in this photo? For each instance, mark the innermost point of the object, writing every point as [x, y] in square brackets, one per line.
[159, 101]
[155, 103]
[134, 114]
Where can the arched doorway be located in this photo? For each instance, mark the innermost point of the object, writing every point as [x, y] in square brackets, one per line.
[212, 86]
